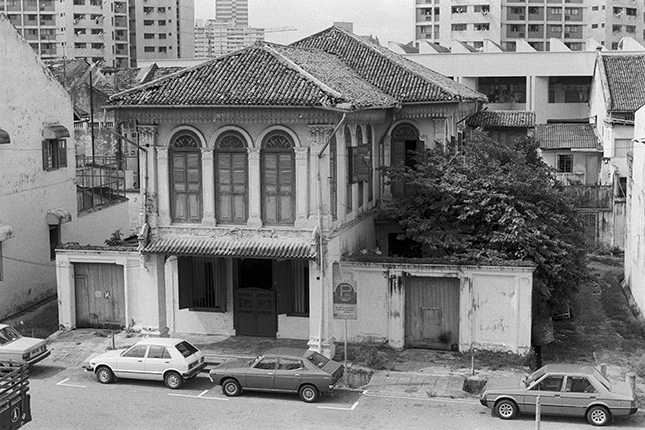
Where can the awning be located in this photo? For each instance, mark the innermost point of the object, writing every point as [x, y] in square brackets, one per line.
[249, 248]
[55, 131]
[4, 137]
[58, 216]
[6, 232]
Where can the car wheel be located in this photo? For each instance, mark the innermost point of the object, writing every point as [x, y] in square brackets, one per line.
[173, 380]
[598, 415]
[104, 375]
[231, 388]
[308, 393]
[506, 409]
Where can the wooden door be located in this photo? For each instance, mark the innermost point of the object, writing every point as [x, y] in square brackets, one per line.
[255, 312]
[100, 295]
[432, 313]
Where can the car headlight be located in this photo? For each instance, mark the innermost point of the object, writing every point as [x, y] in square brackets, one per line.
[25, 356]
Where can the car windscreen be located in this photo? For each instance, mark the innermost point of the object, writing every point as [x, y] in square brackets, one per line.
[8, 334]
[602, 379]
[318, 359]
[534, 376]
[186, 349]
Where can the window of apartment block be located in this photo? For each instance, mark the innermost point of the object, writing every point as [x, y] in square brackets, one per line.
[616, 28]
[594, 8]
[79, 2]
[161, 10]
[594, 25]
[614, 46]
[162, 35]
[482, 8]
[161, 22]
[565, 163]
[97, 46]
[437, 11]
[571, 11]
[459, 27]
[503, 89]
[555, 11]
[148, 35]
[534, 28]
[162, 49]
[630, 11]
[569, 89]
[630, 29]
[618, 11]
[148, 22]
[516, 27]
[555, 28]
[534, 10]
[482, 27]
[459, 9]
[517, 10]
[54, 154]
[148, 49]
[148, 10]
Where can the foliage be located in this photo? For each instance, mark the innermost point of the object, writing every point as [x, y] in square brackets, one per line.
[494, 202]
[115, 239]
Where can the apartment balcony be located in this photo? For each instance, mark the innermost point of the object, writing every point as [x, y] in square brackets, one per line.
[29, 5]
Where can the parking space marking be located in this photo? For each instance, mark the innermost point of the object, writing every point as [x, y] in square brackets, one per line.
[339, 409]
[63, 384]
[199, 396]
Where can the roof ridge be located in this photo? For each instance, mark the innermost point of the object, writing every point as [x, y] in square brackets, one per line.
[302, 71]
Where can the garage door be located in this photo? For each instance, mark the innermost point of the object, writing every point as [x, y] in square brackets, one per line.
[432, 313]
[100, 295]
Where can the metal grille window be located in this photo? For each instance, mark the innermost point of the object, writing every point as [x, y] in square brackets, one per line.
[565, 163]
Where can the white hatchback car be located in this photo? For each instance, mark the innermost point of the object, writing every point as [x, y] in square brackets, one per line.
[18, 349]
[162, 359]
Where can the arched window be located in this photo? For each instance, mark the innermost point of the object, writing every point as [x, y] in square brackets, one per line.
[231, 191]
[186, 177]
[278, 179]
[405, 144]
[350, 173]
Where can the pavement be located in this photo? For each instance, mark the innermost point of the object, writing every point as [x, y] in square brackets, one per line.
[423, 374]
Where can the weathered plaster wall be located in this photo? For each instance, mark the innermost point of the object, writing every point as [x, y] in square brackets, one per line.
[109, 218]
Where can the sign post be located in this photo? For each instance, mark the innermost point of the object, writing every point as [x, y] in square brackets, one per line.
[345, 308]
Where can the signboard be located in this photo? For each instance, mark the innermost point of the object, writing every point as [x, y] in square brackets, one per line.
[345, 302]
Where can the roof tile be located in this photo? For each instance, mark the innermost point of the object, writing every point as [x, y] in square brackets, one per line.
[625, 76]
[567, 136]
[502, 118]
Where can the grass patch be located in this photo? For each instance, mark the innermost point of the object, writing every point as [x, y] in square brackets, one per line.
[41, 324]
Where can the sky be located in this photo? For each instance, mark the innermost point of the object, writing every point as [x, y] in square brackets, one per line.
[389, 20]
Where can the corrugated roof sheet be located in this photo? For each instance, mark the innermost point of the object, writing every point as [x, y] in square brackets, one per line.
[260, 75]
[394, 74]
[567, 136]
[624, 78]
[502, 118]
[251, 248]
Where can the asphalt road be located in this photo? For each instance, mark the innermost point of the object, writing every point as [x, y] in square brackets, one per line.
[70, 399]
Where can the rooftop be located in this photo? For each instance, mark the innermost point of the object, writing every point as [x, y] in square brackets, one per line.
[567, 136]
[502, 118]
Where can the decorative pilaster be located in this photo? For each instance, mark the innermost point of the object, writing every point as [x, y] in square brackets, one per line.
[148, 139]
[386, 191]
[255, 192]
[208, 187]
[163, 195]
[302, 186]
[440, 130]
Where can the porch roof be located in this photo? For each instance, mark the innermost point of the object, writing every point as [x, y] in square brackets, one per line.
[250, 248]
[567, 136]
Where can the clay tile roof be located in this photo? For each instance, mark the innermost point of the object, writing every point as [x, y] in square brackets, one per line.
[261, 75]
[392, 73]
[567, 136]
[502, 118]
[623, 79]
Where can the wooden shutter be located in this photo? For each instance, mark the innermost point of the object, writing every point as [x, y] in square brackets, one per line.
[363, 163]
[232, 192]
[278, 188]
[46, 156]
[62, 152]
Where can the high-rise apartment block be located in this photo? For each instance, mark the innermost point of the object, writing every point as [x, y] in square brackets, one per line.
[234, 11]
[113, 32]
[507, 22]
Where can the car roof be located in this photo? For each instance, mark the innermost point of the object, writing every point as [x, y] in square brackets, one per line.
[285, 352]
[165, 341]
[569, 368]
[3, 325]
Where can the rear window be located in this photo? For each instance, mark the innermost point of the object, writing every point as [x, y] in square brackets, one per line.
[318, 359]
[8, 334]
[602, 378]
[186, 349]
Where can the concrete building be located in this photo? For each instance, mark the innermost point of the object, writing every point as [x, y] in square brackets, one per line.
[115, 33]
[38, 190]
[537, 23]
[264, 200]
[234, 11]
[214, 37]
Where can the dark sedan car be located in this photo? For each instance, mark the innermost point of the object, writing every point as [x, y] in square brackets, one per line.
[287, 370]
[563, 389]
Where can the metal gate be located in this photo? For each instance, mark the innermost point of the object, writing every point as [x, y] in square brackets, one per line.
[255, 314]
[100, 295]
[432, 313]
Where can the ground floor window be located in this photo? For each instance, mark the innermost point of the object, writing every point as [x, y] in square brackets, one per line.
[202, 283]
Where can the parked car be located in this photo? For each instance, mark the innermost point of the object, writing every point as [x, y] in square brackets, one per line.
[563, 389]
[162, 359]
[16, 349]
[287, 370]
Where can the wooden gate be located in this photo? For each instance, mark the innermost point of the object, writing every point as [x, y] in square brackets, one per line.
[432, 313]
[100, 295]
[255, 313]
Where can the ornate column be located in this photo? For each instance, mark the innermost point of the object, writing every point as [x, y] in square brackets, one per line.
[148, 139]
[255, 192]
[440, 130]
[386, 160]
[208, 187]
[319, 173]
[302, 187]
[163, 194]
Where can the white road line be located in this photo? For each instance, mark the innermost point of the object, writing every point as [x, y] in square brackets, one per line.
[198, 396]
[430, 399]
[339, 409]
[63, 384]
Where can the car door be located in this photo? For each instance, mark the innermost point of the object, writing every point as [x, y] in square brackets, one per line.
[289, 374]
[549, 389]
[131, 363]
[261, 376]
[157, 361]
[579, 392]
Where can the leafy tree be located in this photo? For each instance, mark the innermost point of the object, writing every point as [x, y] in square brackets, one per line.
[494, 203]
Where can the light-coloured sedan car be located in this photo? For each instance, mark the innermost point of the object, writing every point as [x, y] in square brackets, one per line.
[16, 349]
[162, 359]
[285, 370]
[563, 389]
